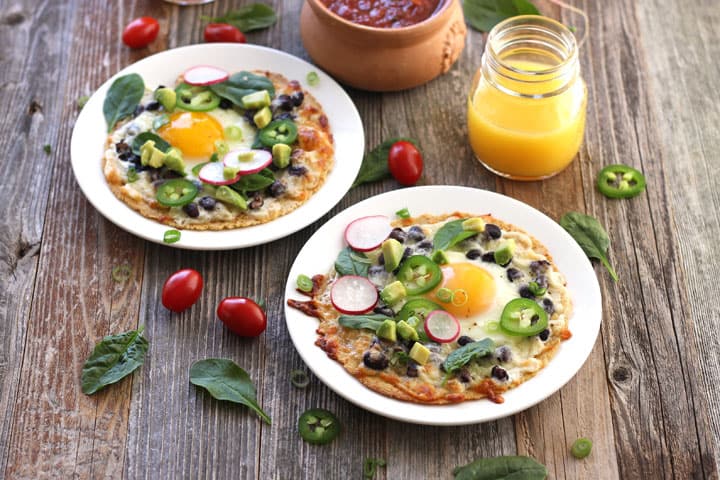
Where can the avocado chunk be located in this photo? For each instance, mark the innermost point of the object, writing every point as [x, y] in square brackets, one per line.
[174, 160]
[392, 253]
[406, 331]
[167, 98]
[475, 224]
[256, 100]
[504, 254]
[151, 156]
[419, 353]
[440, 257]
[263, 117]
[387, 330]
[393, 292]
[228, 195]
[281, 155]
[230, 172]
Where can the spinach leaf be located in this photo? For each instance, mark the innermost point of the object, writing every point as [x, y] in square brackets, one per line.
[451, 234]
[247, 18]
[464, 354]
[140, 140]
[591, 237]
[122, 98]
[254, 182]
[375, 162]
[483, 15]
[350, 262]
[370, 322]
[114, 358]
[225, 380]
[502, 468]
[241, 84]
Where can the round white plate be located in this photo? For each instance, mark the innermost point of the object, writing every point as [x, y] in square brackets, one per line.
[318, 256]
[89, 136]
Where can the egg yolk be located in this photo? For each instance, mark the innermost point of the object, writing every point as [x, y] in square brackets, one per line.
[473, 289]
[194, 133]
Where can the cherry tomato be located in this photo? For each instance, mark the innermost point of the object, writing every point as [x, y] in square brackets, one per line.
[223, 32]
[242, 316]
[405, 162]
[140, 32]
[182, 289]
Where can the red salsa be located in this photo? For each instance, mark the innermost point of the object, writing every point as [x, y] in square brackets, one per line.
[383, 13]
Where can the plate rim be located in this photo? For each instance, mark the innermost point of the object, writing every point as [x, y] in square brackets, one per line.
[351, 137]
[591, 292]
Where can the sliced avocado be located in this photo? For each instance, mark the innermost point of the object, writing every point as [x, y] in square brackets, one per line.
[263, 117]
[230, 172]
[228, 195]
[419, 353]
[406, 331]
[387, 330]
[174, 160]
[151, 156]
[281, 155]
[440, 257]
[504, 254]
[392, 253]
[167, 98]
[475, 224]
[256, 100]
[393, 292]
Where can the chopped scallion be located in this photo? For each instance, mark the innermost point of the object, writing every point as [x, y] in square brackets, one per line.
[171, 236]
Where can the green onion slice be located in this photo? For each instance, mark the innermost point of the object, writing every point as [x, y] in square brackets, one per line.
[299, 378]
[171, 236]
[403, 213]
[122, 273]
[312, 78]
[445, 295]
[304, 283]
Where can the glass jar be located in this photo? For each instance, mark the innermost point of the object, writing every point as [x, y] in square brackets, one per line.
[527, 103]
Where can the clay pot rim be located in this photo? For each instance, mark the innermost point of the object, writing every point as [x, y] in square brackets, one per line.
[417, 29]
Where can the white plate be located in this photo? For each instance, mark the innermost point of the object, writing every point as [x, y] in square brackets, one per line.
[318, 256]
[89, 135]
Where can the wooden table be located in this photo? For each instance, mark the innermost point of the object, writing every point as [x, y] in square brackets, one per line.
[647, 396]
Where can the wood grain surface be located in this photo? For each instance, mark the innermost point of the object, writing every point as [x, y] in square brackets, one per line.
[647, 396]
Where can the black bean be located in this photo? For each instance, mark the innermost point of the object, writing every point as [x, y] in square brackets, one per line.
[256, 202]
[499, 373]
[297, 98]
[473, 254]
[539, 266]
[544, 334]
[225, 104]
[464, 340]
[208, 203]
[283, 102]
[126, 156]
[137, 161]
[492, 231]
[381, 259]
[384, 310]
[399, 235]
[513, 274]
[425, 245]
[375, 270]
[152, 106]
[277, 188]
[503, 354]
[406, 253]
[284, 116]
[415, 233]
[249, 114]
[138, 110]
[548, 306]
[122, 148]
[297, 170]
[464, 375]
[192, 210]
[542, 281]
[170, 174]
[412, 370]
[375, 360]
[488, 257]
[525, 292]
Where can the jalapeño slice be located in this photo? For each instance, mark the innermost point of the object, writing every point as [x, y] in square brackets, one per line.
[620, 181]
[279, 131]
[194, 98]
[416, 307]
[176, 192]
[318, 426]
[419, 274]
[523, 317]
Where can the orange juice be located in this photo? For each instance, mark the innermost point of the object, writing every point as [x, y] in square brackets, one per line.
[526, 113]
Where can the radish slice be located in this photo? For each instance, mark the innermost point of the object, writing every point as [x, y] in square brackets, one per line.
[212, 173]
[441, 326]
[259, 160]
[367, 233]
[203, 75]
[353, 294]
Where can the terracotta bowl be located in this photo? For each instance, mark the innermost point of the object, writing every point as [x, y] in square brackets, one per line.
[383, 59]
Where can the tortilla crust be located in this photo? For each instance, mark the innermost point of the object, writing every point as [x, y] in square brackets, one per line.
[314, 138]
[346, 346]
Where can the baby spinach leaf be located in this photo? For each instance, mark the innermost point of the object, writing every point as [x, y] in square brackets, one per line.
[140, 140]
[451, 234]
[591, 237]
[502, 468]
[350, 262]
[370, 322]
[483, 15]
[114, 358]
[122, 98]
[225, 380]
[254, 181]
[462, 356]
[375, 162]
[247, 18]
[241, 84]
